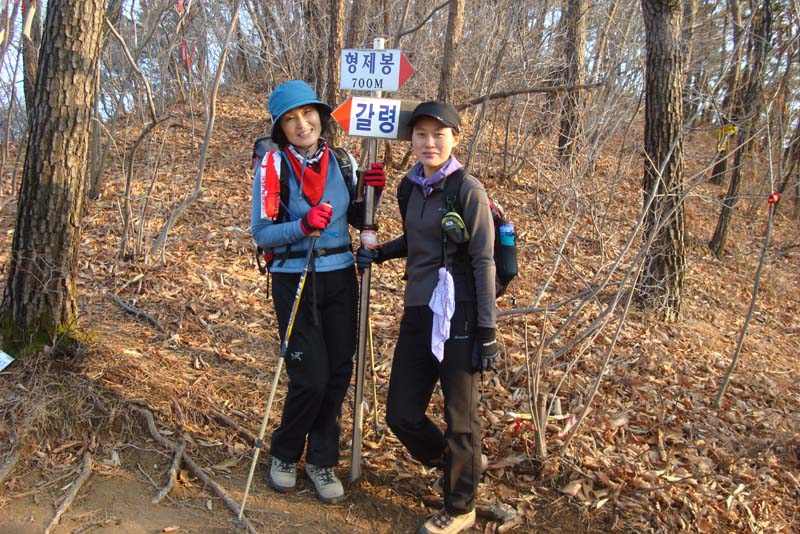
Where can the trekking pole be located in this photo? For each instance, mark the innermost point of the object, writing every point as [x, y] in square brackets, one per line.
[375, 424]
[284, 346]
[363, 319]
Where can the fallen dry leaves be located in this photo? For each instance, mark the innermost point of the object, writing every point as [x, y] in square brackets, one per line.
[654, 454]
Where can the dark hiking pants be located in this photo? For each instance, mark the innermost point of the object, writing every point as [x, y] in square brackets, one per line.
[319, 362]
[415, 371]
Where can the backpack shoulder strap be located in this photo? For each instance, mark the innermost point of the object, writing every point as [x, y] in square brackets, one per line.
[452, 190]
[347, 164]
[284, 189]
[452, 202]
[404, 189]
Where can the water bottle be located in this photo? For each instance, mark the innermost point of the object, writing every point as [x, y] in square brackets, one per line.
[507, 236]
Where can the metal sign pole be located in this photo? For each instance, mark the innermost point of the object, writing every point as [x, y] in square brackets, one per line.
[363, 315]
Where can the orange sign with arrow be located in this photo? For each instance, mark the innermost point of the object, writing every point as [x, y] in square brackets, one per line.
[383, 118]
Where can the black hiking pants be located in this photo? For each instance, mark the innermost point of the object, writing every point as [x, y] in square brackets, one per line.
[319, 362]
[415, 371]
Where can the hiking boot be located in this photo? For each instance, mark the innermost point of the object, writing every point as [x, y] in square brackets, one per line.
[438, 484]
[444, 523]
[329, 488]
[282, 475]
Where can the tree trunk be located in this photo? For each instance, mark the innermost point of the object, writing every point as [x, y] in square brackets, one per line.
[95, 160]
[791, 159]
[599, 61]
[358, 24]
[8, 32]
[796, 213]
[39, 302]
[687, 45]
[312, 58]
[730, 103]
[661, 282]
[751, 105]
[335, 41]
[452, 40]
[31, 40]
[8, 29]
[239, 65]
[574, 45]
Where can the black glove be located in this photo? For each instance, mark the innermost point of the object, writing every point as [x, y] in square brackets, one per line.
[486, 350]
[365, 257]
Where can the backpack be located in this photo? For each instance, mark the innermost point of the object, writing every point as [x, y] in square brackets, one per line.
[505, 246]
[261, 147]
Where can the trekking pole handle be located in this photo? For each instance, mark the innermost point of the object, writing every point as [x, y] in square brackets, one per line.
[315, 232]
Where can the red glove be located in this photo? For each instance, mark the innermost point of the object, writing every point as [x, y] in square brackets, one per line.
[317, 218]
[375, 176]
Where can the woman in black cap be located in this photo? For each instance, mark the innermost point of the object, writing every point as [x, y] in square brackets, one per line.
[448, 327]
[316, 199]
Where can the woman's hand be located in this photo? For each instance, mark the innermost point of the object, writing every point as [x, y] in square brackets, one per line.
[375, 177]
[317, 218]
[365, 257]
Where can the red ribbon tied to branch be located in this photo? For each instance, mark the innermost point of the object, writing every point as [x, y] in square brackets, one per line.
[186, 57]
[180, 6]
[774, 198]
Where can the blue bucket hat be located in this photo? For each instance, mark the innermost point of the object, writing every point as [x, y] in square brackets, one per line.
[290, 95]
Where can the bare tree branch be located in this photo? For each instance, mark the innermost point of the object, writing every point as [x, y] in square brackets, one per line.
[422, 23]
[525, 91]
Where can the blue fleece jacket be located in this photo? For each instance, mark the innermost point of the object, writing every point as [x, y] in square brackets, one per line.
[280, 236]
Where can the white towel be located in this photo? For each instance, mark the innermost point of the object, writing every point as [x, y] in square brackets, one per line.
[443, 304]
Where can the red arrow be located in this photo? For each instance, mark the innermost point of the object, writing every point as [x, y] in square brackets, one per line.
[405, 70]
[342, 114]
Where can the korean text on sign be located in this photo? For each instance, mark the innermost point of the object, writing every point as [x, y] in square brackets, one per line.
[370, 70]
[375, 117]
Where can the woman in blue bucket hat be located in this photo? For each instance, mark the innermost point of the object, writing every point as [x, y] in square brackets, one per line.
[316, 199]
[447, 332]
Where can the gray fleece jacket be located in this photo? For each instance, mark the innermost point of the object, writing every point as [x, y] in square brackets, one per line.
[423, 243]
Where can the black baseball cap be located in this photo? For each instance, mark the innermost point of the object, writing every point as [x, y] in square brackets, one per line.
[444, 113]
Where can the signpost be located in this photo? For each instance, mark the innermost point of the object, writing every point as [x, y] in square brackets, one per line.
[376, 70]
[375, 117]
[373, 70]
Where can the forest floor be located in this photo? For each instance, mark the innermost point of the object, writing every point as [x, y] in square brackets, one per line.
[654, 454]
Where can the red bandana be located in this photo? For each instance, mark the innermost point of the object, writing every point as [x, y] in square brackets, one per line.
[313, 181]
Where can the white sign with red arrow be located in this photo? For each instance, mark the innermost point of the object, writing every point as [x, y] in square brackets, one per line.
[5, 360]
[383, 118]
[373, 70]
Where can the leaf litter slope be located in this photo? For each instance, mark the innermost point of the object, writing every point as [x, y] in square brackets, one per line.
[653, 455]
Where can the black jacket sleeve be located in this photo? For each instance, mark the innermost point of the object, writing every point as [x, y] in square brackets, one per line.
[396, 248]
